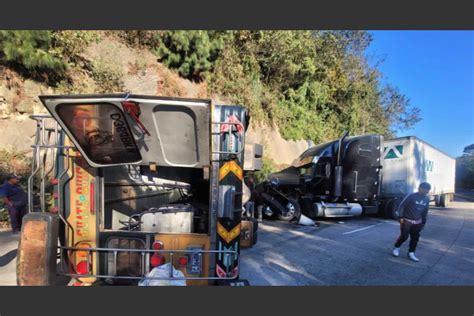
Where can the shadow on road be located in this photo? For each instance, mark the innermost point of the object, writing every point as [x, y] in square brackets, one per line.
[8, 257]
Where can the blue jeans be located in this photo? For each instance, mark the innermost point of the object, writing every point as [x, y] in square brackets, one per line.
[16, 216]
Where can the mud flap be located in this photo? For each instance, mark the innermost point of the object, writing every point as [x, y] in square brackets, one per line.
[37, 250]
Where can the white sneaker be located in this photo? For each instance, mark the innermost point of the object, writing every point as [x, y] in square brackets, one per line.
[412, 257]
[396, 252]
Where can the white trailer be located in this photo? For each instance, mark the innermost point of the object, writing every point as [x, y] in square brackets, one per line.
[408, 161]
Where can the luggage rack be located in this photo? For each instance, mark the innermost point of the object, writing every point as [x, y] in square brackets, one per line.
[47, 148]
[145, 253]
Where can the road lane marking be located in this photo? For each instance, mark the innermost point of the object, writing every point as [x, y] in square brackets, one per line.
[360, 229]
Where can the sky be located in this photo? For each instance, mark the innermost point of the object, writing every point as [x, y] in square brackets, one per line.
[435, 70]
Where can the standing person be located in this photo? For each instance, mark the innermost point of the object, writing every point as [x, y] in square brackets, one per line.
[412, 211]
[16, 201]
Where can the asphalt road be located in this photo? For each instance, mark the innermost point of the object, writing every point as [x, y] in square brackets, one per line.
[343, 252]
[357, 252]
[8, 250]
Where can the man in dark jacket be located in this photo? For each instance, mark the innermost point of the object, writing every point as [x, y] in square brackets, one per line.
[412, 217]
[16, 201]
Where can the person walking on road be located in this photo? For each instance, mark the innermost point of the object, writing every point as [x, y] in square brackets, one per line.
[412, 211]
[16, 200]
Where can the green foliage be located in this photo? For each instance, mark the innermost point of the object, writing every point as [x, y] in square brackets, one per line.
[44, 55]
[3, 213]
[192, 53]
[397, 108]
[31, 52]
[469, 150]
[107, 76]
[140, 38]
[465, 169]
[311, 84]
[314, 85]
[13, 161]
[268, 167]
[69, 45]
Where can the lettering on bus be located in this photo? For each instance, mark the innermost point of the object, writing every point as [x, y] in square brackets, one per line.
[81, 203]
[123, 132]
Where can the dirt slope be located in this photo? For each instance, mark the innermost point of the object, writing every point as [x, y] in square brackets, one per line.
[142, 74]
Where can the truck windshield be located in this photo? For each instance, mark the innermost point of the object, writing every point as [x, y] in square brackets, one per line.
[101, 131]
[323, 150]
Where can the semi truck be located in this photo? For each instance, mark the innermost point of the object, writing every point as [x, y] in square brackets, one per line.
[130, 184]
[356, 175]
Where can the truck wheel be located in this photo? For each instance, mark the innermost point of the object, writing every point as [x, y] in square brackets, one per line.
[255, 237]
[396, 204]
[37, 250]
[387, 209]
[437, 200]
[391, 208]
[444, 200]
[292, 211]
[272, 203]
[255, 231]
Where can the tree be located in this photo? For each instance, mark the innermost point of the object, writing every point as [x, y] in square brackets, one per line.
[465, 169]
[400, 114]
[192, 53]
[469, 150]
[30, 52]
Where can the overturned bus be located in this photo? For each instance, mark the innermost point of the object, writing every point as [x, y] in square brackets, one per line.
[130, 183]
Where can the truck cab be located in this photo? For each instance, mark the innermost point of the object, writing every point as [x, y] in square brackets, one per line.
[338, 178]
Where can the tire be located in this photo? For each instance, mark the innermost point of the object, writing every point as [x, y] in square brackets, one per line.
[292, 211]
[255, 231]
[37, 250]
[437, 200]
[444, 200]
[387, 208]
[391, 208]
[396, 204]
[255, 237]
[275, 206]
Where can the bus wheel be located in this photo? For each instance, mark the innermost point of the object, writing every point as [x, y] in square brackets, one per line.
[292, 211]
[37, 250]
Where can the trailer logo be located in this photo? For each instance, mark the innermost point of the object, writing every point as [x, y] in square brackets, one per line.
[429, 165]
[393, 152]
